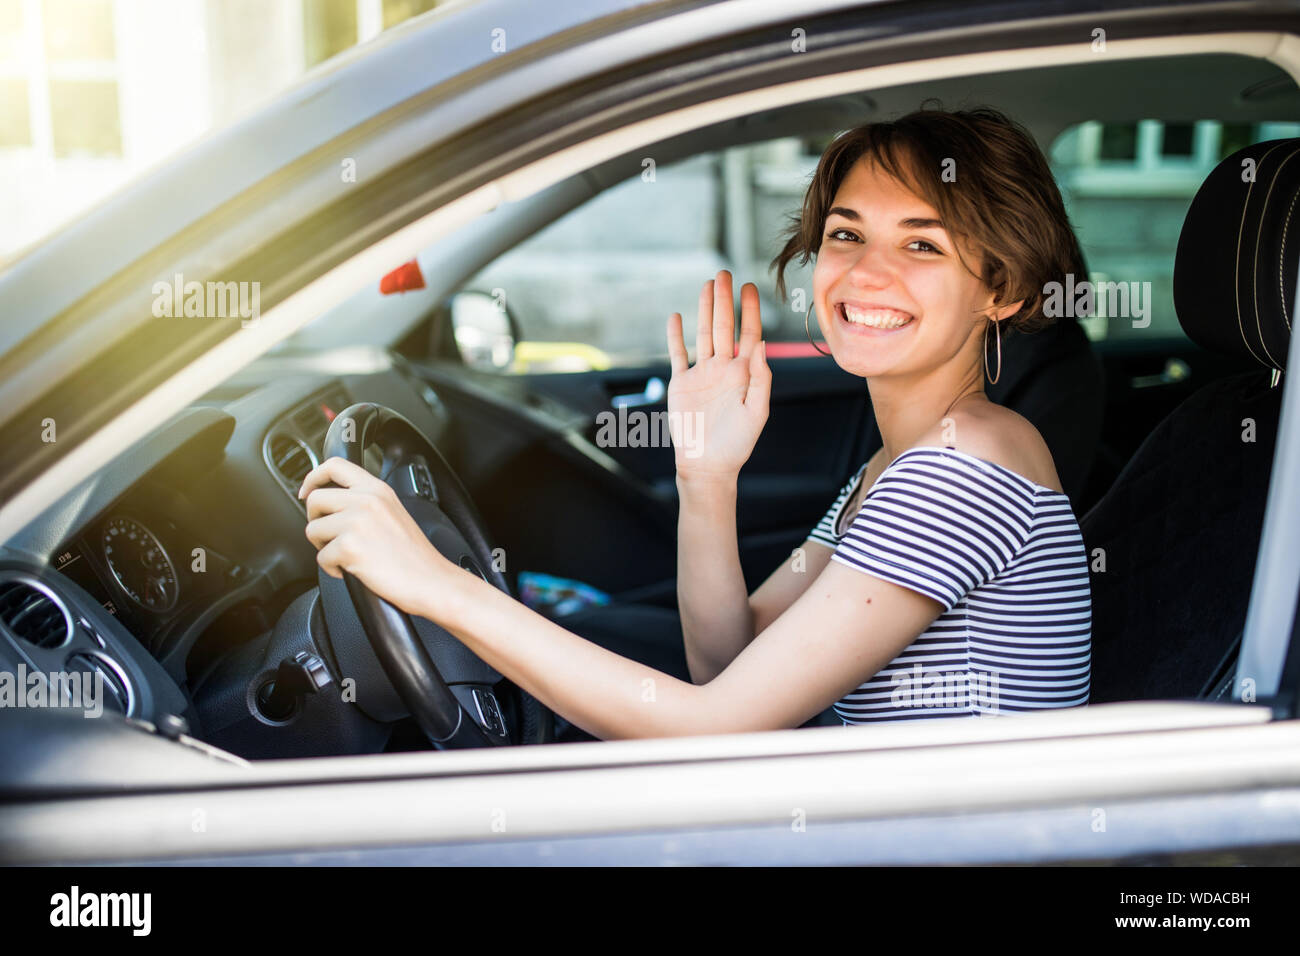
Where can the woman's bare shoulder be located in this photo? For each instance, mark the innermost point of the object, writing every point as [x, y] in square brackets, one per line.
[998, 434]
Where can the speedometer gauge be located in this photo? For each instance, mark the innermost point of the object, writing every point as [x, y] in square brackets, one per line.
[140, 564]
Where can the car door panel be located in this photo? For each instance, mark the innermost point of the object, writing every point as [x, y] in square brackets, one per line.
[814, 439]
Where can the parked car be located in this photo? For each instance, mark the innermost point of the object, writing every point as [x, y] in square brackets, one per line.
[150, 535]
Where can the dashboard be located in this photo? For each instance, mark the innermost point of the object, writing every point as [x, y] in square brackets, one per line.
[180, 573]
[190, 545]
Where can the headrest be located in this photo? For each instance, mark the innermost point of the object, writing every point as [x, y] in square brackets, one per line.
[1235, 274]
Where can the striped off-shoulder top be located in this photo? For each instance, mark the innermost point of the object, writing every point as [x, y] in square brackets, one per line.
[1005, 559]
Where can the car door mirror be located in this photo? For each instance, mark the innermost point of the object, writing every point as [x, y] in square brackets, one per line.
[484, 329]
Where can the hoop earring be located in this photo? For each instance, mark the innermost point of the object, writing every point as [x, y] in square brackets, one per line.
[808, 332]
[998, 327]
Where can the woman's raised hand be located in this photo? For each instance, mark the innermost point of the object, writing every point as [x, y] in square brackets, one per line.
[718, 406]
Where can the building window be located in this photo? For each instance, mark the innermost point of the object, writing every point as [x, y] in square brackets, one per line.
[1235, 136]
[79, 30]
[1178, 140]
[84, 117]
[395, 11]
[332, 26]
[59, 78]
[15, 121]
[329, 28]
[1118, 141]
[15, 117]
[11, 29]
[81, 73]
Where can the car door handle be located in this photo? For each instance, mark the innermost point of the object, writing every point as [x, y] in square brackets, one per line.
[1175, 370]
[655, 390]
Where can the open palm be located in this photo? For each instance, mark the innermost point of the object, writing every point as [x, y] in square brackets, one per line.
[718, 406]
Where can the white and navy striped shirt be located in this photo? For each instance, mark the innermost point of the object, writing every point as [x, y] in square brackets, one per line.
[1004, 557]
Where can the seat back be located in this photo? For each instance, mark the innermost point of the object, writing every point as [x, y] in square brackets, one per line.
[1172, 544]
[1055, 380]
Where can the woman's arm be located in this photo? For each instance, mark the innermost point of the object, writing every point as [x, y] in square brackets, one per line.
[718, 407]
[839, 632]
[784, 585]
[708, 564]
[717, 621]
[718, 617]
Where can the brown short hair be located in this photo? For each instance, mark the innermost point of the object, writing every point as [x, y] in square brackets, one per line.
[1003, 201]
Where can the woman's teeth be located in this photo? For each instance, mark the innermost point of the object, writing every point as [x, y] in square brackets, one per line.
[876, 318]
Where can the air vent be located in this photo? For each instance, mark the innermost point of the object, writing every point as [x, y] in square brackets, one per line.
[312, 420]
[117, 694]
[32, 612]
[309, 418]
[290, 458]
[292, 447]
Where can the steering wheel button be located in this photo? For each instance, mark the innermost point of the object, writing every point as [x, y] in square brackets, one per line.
[421, 480]
[489, 715]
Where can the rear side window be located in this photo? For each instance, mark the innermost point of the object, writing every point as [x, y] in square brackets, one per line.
[1127, 188]
[595, 288]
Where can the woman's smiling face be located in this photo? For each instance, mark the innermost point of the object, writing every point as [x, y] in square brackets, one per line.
[892, 296]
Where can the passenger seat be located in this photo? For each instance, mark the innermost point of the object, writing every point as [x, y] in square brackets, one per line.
[1179, 529]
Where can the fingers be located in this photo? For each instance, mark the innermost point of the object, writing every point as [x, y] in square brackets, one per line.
[751, 324]
[704, 324]
[760, 379]
[326, 501]
[321, 531]
[677, 356]
[332, 559]
[724, 316]
[715, 329]
[334, 471]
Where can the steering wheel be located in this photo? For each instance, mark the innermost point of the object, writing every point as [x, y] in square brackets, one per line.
[415, 654]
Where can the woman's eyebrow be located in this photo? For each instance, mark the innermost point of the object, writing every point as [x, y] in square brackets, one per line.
[911, 223]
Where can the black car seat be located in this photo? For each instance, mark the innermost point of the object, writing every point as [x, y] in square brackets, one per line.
[1055, 380]
[1178, 531]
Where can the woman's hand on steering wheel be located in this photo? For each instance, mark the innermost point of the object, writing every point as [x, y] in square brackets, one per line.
[717, 408]
[361, 527]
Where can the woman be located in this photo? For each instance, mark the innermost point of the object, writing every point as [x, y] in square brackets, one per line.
[948, 579]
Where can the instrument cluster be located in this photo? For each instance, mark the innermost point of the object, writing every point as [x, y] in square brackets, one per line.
[139, 564]
[142, 568]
